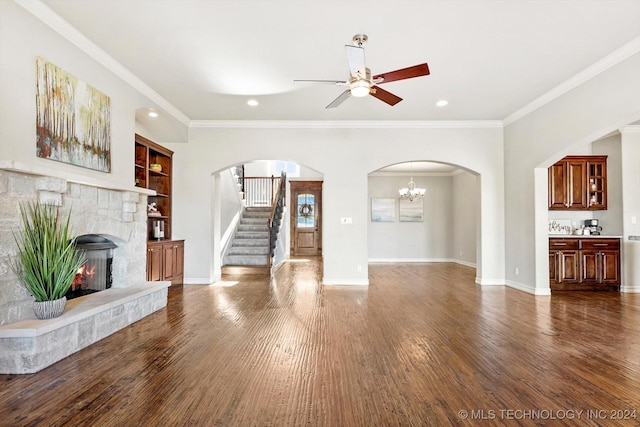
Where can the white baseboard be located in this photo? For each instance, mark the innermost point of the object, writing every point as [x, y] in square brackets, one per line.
[199, 281]
[345, 282]
[528, 289]
[392, 260]
[465, 263]
[489, 282]
[630, 289]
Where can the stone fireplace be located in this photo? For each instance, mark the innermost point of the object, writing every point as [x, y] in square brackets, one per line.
[111, 216]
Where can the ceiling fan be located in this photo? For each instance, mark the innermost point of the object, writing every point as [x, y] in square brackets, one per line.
[360, 81]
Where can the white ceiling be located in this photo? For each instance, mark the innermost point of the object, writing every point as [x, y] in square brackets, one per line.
[489, 59]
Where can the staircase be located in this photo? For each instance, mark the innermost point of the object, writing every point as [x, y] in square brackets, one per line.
[249, 250]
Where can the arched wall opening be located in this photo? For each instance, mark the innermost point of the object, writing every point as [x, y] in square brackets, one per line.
[620, 145]
[227, 201]
[442, 226]
[345, 155]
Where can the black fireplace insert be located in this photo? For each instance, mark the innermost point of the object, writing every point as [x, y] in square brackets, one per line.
[96, 273]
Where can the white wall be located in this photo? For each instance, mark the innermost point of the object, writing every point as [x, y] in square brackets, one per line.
[259, 168]
[466, 204]
[591, 110]
[345, 156]
[429, 240]
[448, 232]
[630, 155]
[611, 218]
[22, 38]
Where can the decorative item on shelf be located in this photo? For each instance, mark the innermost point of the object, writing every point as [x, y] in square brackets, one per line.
[47, 260]
[158, 230]
[152, 209]
[155, 167]
[411, 192]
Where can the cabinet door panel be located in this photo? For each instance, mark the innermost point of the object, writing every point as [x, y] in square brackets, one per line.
[553, 266]
[558, 186]
[168, 261]
[179, 267]
[610, 264]
[569, 267]
[154, 263]
[577, 184]
[590, 267]
[597, 183]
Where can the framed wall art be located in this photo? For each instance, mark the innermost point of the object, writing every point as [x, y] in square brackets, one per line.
[73, 119]
[383, 209]
[412, 211]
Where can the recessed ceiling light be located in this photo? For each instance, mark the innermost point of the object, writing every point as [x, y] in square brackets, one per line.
[252, 102]
[442, 103]
[153, 114]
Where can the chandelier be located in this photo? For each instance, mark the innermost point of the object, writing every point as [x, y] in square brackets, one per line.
[411, 192]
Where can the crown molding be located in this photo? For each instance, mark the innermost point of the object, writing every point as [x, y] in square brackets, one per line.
[614, 58]
[630, 129]
[66, 30]
[347, 124]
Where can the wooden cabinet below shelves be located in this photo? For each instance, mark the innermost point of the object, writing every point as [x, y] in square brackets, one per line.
[578, 183]
[584, 264]
[600, 262]
[165, 261]
[564, 261]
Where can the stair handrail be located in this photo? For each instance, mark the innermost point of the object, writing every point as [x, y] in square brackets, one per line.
[259, 190]
[275, 218]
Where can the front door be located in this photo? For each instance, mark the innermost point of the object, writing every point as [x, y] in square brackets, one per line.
[306, 210]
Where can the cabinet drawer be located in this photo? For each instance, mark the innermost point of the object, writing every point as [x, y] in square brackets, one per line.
[563, 244]
[601, 244]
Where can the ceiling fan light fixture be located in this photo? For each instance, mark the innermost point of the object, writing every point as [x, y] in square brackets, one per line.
[361, 83]
[360, 88]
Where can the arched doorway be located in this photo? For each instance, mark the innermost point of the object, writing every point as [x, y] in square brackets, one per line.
[441, 226]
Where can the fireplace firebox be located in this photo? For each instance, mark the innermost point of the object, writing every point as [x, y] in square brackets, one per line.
[96, 273]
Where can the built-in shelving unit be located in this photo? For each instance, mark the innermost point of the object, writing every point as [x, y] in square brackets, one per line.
[153, 166]
[148, 155]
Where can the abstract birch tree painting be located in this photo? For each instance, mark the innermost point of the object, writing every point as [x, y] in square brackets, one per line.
[73, 121]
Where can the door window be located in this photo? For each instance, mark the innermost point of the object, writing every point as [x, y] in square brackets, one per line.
[306, 210]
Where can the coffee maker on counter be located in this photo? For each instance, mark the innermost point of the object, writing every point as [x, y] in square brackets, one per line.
[593, 226]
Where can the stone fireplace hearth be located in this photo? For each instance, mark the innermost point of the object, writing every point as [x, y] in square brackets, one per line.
[98, 208]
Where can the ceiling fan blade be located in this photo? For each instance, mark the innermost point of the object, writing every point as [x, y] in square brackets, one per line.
[384, 96]
[340, 99]
[405, 73]
[336, 82]
[355, 58]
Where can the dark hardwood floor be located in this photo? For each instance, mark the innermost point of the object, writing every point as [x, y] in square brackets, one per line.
[421, 346]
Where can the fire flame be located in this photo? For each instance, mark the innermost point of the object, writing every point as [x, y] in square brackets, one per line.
[84, 274]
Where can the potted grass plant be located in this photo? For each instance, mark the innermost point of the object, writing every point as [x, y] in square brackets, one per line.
[47, 260]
